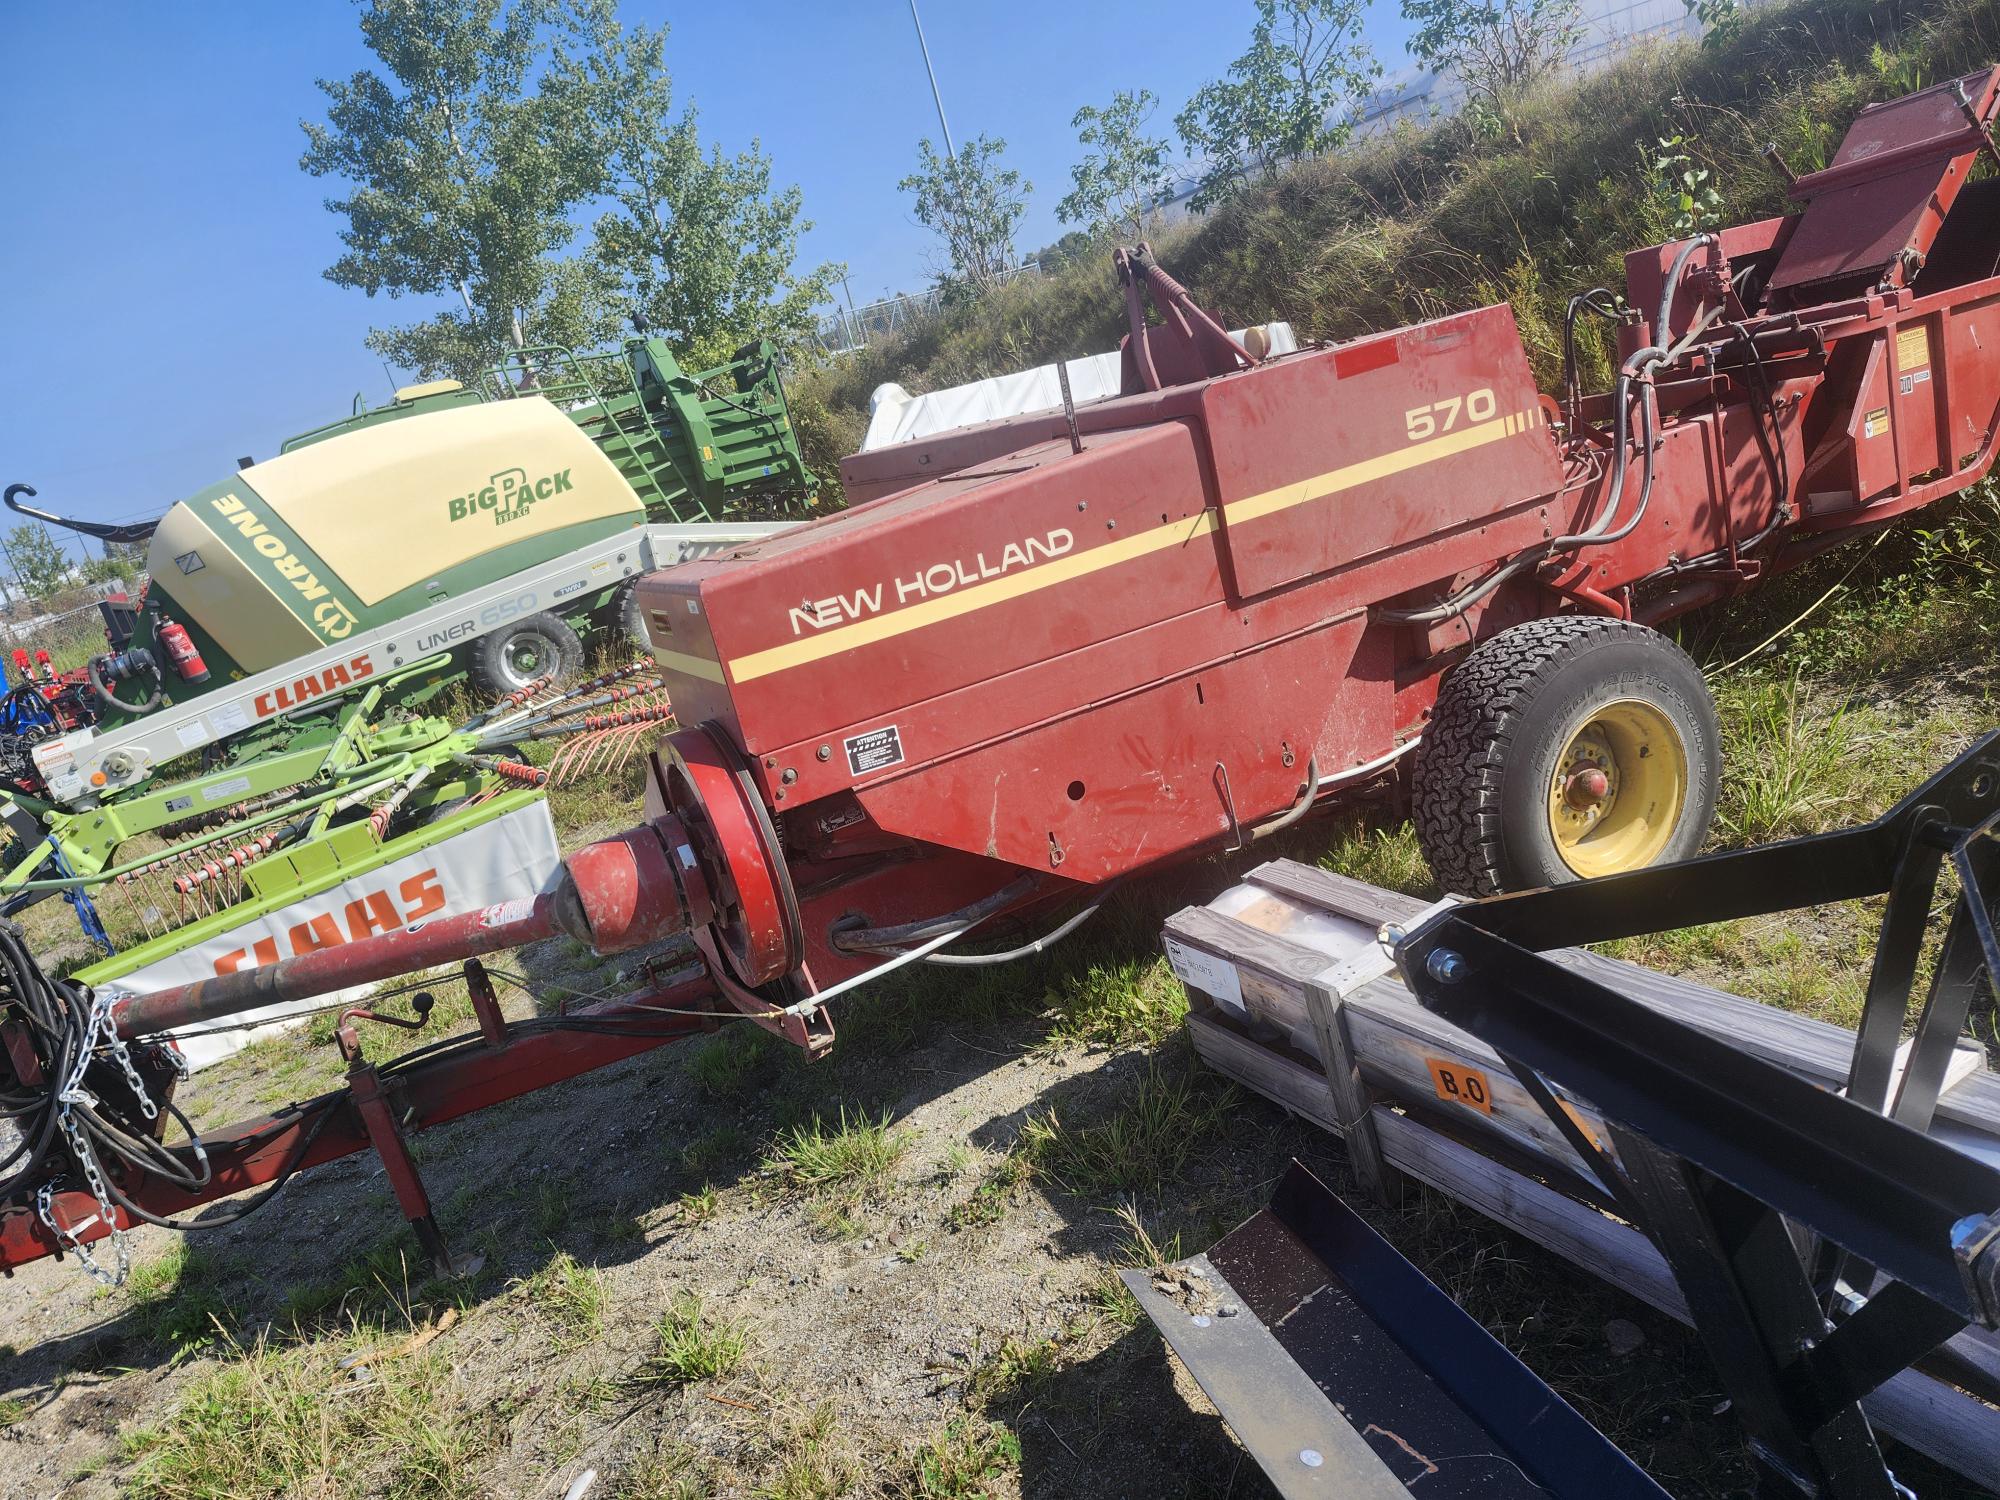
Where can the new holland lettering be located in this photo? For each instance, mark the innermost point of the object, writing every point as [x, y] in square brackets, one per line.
[317, 685]
[508, 496]
[928, 582]
[332, 619]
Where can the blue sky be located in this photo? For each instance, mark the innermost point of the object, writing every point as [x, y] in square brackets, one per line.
[162, 257]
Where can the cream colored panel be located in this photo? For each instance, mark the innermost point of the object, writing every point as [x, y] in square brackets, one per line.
[396, 504]
[215, 588]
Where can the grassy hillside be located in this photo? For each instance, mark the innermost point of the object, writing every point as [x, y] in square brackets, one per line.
[1431, 221]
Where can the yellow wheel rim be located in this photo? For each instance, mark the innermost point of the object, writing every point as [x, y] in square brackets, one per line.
[1618, 789]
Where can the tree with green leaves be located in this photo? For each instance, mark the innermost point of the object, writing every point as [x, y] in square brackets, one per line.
[118, 565]
[1292, 94]
[1117, 184]
[698, 248]
[974, 204]
[40, 568]
[465, 155]
[1495, 48]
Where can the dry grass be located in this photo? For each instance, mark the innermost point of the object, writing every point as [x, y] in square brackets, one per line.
[264, 1422]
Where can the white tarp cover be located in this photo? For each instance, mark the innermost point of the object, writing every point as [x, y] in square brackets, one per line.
[514, 856]
[895, 416]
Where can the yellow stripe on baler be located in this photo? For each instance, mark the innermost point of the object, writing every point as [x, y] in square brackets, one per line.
[1366, 472]
[755, 664]
[689, 666]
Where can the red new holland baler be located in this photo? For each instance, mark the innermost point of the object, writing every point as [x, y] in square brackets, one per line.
[1042, 655]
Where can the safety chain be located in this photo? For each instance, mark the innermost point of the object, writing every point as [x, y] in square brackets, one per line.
[100, 1025]
[71, 1238]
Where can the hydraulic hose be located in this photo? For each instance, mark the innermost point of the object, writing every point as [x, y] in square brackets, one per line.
[1303, 805]
[115, 703]
[1638, 369]
[1027, 950]
[896, 939]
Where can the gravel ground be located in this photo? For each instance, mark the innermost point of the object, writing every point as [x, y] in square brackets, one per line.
[953, 1297]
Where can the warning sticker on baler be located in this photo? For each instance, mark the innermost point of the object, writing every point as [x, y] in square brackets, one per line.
[1875, 423]
[874, 750]
[1913, 348]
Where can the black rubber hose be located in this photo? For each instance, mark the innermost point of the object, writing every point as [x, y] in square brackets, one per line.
[910, 934]
[112, 700]
[1027, 950]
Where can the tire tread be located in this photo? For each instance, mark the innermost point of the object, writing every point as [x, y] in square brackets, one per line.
[1462, 762]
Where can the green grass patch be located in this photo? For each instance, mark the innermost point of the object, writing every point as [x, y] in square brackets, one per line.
[691, 1345]
[966, 1460]
[811, 1464]
[1013, 1370]
[1117, 1002]
[392, 1283]
[1386, 856]
[989, 1202]
[670, 1472]
[570, 1298]
[700, 1207]
[852, 1157]
[177, 1299]
[1143, 1142]
[734, 1060]
[1793, 762]
[261, 1422]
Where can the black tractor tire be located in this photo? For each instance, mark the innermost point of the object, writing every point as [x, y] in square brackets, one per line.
[632, 621]
[1534, 710]
[506, 660]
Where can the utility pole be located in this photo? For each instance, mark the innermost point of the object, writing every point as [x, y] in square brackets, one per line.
[950, 154]
[936, 97]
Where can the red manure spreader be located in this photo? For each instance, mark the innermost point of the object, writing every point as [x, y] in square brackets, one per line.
[1040, 656]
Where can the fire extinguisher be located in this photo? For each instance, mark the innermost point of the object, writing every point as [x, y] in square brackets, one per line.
[173, 639]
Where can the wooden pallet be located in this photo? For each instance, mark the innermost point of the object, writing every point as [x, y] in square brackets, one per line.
[1270, 967]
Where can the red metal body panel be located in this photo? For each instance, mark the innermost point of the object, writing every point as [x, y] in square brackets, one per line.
[1888, 187]
[1439, 428]
[1149, 775]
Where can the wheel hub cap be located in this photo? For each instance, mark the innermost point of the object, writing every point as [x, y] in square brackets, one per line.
[1618, 789]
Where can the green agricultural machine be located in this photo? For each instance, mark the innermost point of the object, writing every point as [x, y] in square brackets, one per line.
[265, 715]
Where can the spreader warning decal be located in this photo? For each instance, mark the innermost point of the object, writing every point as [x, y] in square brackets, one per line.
[874, 751]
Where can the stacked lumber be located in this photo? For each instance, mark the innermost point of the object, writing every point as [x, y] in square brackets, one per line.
[1289, 999]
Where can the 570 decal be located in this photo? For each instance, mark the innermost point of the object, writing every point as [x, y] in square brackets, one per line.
[1442, 416]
